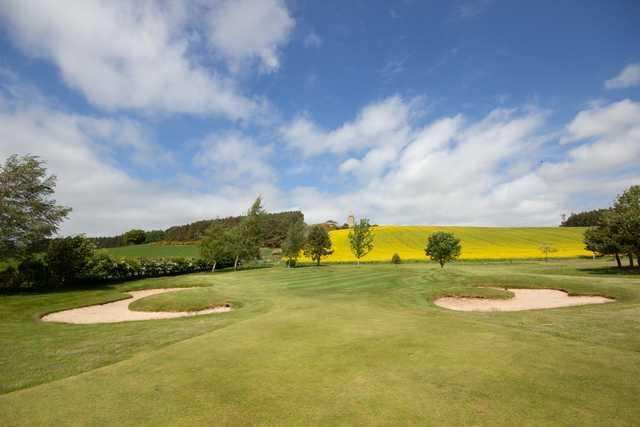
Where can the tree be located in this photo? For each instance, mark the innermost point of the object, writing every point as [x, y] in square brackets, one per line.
[395, 259]
[584, 219]
[599, 241]
[443, 247]
[28, 214]
[134, 237]
[546, 249]
[216, 246]
[317, 244]
[361, 239]
[294, 242]
[239, 243]
[625, 221]
[67, 258]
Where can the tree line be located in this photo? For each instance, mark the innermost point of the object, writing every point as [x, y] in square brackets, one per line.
[584, 219]
[618, 231]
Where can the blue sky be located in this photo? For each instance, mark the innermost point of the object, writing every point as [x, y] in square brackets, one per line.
[472, 112]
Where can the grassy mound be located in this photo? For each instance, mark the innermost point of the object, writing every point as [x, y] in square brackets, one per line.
[474, 292]
[477, 242]
[189, 300]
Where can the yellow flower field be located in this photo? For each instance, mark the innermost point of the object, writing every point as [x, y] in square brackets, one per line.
[477, 242]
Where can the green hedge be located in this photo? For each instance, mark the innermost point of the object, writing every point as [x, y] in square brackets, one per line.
[99, 268]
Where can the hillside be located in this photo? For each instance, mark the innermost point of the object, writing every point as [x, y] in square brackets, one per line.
[477, 242]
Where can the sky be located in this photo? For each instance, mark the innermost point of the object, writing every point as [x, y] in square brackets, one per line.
[465, 112]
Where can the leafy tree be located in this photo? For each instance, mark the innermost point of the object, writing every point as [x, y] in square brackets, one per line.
[361, 239]
[28, 214]
[599, 241]
[317, 244]
[443, 247]
[395, 259]
[134, 237]
[293, 243]
[67, 258]
[625, 220]
[252, 230]
[240, 243]
[215, 247]
[584, 219]
[547, 249]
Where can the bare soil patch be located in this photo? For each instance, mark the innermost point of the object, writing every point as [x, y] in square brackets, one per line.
[118, 311]
[524, 299]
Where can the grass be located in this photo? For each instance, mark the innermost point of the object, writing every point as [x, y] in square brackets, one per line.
[332, 345]
[151, 250]
[189, 300]
[477, 242]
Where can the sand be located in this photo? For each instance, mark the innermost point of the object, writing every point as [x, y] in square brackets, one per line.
[524, 299]
[118, 311]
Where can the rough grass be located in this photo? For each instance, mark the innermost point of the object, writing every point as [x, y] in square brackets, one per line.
[477, 242]
[334, 345]
[151, 250]
[188, 300]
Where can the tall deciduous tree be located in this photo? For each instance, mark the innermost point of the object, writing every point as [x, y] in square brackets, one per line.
[294, 242]
[361, 239]
[317, 244]
[626, 220]
[443, 247]
[240, 243]
[28, 213]
[599, 241]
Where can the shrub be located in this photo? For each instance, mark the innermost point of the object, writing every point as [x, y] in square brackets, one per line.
[395, 259]
[291, 262]
[67, 259]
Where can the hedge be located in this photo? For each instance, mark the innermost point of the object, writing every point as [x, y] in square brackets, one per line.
[100, 268]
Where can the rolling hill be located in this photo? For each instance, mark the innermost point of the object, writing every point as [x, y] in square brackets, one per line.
[477, 242]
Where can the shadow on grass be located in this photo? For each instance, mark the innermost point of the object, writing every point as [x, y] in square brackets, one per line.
[612, 270]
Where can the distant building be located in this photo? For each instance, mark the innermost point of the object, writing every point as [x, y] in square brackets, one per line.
[351, 220]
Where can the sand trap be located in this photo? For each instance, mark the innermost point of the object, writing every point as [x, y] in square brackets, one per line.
[118, 311]
[524, 299]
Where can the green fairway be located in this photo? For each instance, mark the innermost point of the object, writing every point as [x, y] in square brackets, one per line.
[151, 250]
[331, 345]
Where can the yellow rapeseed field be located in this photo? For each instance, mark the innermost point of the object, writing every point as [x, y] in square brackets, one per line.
[477, 242]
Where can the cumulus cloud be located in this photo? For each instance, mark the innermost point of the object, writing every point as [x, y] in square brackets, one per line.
[380, 123]
[107, 200]
[243, 30]
[486, 172]
[629, 76]
[139, 55]
[234, 157]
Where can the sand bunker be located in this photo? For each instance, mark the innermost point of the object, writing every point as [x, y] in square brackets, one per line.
[524, 299]
[118, 311]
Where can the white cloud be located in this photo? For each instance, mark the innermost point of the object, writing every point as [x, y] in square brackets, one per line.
[380, 123]
[629, 76]
[125, 55]
[246, 29]
[105, 199]
[488, 172]
[233, 157]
